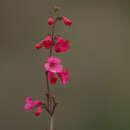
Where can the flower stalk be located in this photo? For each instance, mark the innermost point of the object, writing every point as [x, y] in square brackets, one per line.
[51, 122]
[53, 68]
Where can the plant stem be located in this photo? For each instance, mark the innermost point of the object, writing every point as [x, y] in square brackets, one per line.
[48, 89]
[53, 36]
[51, 123]
[50, 109]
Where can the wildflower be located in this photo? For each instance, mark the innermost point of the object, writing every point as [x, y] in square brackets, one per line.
[47, 43]
[53, 65]
[39, 45]
[66, 21]
[31, 104]
[52, 78]
[64, 76]
[38, 111]
[50, 21]
[62, 46]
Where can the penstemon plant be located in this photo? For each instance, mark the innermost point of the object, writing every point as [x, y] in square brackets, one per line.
[53, 68]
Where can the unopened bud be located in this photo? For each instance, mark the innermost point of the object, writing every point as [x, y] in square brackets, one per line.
[56, 8]
[54, 99]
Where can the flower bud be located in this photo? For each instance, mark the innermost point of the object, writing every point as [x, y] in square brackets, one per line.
[38, 46]
[66, 21]
[54, 99]
[50, 21]
[38, 111]
[56, 8]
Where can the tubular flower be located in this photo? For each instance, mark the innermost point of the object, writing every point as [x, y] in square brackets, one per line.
[47, 43]
[62, 46]
[39, 45]
[50, 21]
[38, 111]
[53, 65]
[52, 78]
[66, 21]
[31, 104]
[64, 76]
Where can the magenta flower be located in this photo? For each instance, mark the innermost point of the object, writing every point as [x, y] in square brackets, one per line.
[36, 103]
[52, 78]
[28, 107]
[31, 104]
[38, 111]
[53, 65]
[62, 46]
[47, 43]
[66, 21]
[64, 76]
[50, 21]
[39, 45]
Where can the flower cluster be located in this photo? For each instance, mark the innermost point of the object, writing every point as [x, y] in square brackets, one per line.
[54, 68]
[33, 104]
[60, 45]
[47, 43]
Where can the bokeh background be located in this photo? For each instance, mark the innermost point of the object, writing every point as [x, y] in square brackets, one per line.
[98, 95]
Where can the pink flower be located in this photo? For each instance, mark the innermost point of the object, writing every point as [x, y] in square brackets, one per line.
[50, 21]
[47, 43]
[36, 103]
[39, 45]
[64, 76]
[28, 107]
[38, 111]
[66, 21]
[62, 46]
[53, 65]
[52, 78]
[31, 104]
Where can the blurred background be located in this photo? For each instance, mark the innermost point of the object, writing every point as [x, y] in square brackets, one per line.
[97, 96]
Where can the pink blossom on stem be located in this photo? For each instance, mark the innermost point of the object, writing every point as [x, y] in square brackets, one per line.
[47, 43]
[38, 111]
[66, 21]
[39, 45]
[64, 76]
[31, 104]
[62, 46]
[53, 65]
[50, 21]
[52, 78]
